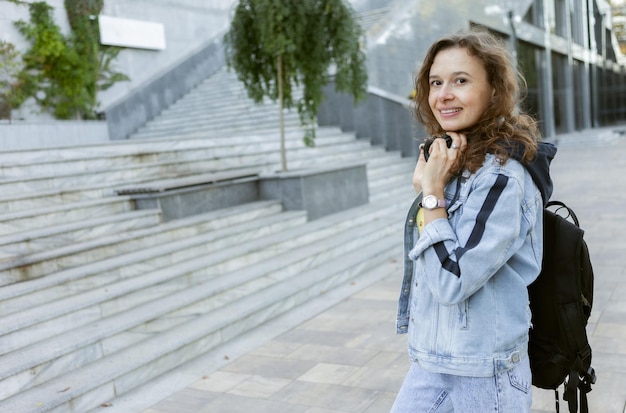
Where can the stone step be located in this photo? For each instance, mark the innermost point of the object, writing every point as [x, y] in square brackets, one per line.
[80, 276]
[30, 274]
[405, 191]
[216, 110]
[213, 109]
[14, 222]
[194, 123]
[232, 107]
[265, 159]
[221, 98]
[83, 338]
[33, 200]
[218, 129]
[92, 159]
[26, 324]
[71, 305]
[37, 265]
[141, 398]
[391, 180]
[126, 368]
[214, 113]
[147, 145]
[61, 234]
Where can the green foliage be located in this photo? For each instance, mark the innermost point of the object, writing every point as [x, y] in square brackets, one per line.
[9, 70]
[64, 74]
[310, 36]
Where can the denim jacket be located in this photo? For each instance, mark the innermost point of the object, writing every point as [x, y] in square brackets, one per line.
[464, 298]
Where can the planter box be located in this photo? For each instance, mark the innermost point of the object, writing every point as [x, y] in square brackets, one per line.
[321, 191]
[186, 196]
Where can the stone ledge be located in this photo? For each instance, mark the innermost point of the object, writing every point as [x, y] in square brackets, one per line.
[319, 191]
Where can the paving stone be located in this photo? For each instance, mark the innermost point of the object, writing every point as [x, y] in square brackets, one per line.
[327, 396]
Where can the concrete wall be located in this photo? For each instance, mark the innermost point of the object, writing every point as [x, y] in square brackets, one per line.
[32, 135]
[151, 98]
[190, 25]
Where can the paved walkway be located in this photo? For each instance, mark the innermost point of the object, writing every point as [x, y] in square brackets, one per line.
[347, 359]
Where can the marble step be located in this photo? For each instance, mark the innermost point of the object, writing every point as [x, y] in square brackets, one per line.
[141, 398]
[398, 165]
[81, 162]
[207, 107]
[392, 179]
[33, 200]
[92, 274]
[61, 233]
[405, 191]
[161, 352]
[99, 274]
[38, 264]
[39, 288]
[231, 107]
[64, 313]
[23, 173]
[14, 222]
[196, 123]
[217, 112]
[234, 110]
[268, 160]
[229, 90]
[68, 307]
[147, 146]
[217, 129]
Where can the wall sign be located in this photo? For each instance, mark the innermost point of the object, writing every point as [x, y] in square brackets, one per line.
[115, 31]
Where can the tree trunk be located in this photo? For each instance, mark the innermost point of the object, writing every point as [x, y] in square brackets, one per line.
[283, 154]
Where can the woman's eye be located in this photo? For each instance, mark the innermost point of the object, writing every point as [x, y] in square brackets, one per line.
[435, 83]
[462, 80]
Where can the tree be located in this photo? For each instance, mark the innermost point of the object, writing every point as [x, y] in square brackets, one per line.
[274, 45]
[9, 70]
[64, 73]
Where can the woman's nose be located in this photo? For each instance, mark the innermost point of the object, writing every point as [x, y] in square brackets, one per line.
[445, 93]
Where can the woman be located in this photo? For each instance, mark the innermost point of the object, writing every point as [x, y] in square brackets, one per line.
[476, 243]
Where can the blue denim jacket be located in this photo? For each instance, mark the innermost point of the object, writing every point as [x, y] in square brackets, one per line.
[464, 299]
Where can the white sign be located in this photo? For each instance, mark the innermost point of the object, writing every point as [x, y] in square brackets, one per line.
[115, 31]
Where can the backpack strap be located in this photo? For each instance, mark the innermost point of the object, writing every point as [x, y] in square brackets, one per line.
[561, 205]
[581, 374]
[578, 382]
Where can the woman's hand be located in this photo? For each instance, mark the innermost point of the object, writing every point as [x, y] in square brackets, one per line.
[431, 177]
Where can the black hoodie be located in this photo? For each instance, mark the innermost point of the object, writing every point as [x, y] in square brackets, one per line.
[539, 167]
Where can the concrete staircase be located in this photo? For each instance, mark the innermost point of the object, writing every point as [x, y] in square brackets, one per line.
[97, 298]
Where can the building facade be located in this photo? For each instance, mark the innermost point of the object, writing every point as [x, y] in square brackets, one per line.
[566, 50]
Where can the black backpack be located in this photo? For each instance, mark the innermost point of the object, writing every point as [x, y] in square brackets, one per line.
[560, 300]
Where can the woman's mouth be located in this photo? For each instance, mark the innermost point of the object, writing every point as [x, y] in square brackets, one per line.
[449, 111]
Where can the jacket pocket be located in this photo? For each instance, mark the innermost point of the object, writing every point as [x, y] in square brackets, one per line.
[518, 379]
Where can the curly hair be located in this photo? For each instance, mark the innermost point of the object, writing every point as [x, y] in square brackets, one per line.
[502, 129]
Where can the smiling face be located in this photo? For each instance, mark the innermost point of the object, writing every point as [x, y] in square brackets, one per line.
[459, 91]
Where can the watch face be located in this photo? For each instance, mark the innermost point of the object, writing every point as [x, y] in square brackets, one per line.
[430, 202]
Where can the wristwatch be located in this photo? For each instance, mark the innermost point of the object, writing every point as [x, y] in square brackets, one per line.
[432, 202]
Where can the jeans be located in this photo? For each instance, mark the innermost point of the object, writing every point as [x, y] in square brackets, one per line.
[426, 392]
